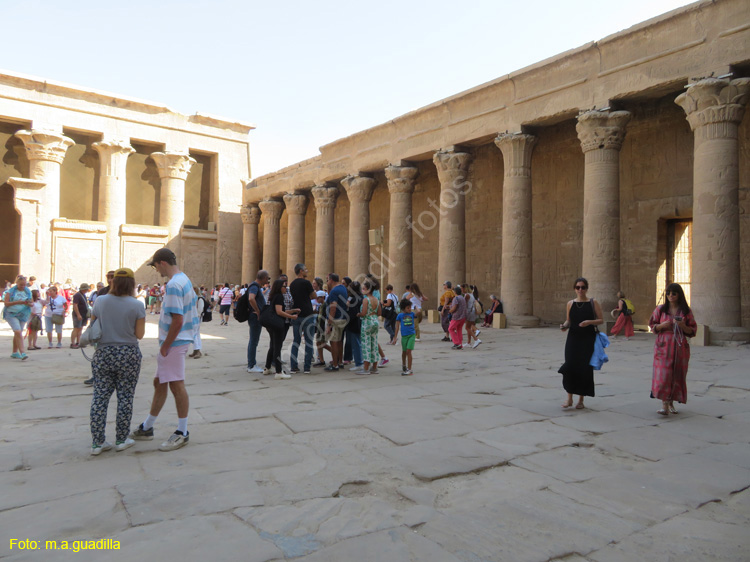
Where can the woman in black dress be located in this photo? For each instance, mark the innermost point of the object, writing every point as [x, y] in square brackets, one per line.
[582, 315]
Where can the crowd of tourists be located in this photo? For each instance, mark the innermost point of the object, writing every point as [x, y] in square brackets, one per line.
[335, 326]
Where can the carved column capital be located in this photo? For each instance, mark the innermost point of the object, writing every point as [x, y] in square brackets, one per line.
[451, 163]
[715, 100]
[401, 178]
[296, 203]
[271, 209]
[173, 164]
[250, 214]
[113, 156]
[359, 188]
[602, 129]
[516, 149]
[45, 145]
[325, 197]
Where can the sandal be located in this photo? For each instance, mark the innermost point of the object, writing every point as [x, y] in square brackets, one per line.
[672, 409]
[567, 405]
[663, 412]
[580, 406]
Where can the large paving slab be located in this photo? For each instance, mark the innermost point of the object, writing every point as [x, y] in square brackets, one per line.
[471, 459]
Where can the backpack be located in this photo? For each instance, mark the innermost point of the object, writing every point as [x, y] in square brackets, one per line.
[206, 314]
[242, 310]
[628, 309]
[477, 308]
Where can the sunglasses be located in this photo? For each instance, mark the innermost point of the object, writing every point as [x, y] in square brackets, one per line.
[673, 293]
[581, 288]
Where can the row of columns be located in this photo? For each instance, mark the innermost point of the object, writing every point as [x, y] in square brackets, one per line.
[46, 151]
[714, 108]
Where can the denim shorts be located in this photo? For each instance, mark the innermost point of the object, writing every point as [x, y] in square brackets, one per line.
[80, 323]
[15, 324]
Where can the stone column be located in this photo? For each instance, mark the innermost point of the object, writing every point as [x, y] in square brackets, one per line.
[296, 207]
[400, 260]
[453, 171]
[46, 151]
[113, 158]
[359, 190]
[271, 236]
[250, 214]
[516, 278]
[601, 134]
[173, 171]
[714, 109]
[325, 206]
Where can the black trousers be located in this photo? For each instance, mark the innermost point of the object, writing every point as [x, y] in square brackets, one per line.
[274, 350]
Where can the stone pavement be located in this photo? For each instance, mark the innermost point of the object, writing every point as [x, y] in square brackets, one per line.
[471, 459]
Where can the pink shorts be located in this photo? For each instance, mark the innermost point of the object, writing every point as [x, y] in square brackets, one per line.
[172, 367]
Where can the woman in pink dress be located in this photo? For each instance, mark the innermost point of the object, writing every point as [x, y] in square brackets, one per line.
[672, 323]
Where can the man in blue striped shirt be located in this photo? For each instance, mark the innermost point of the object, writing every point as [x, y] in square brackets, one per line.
[176, 328]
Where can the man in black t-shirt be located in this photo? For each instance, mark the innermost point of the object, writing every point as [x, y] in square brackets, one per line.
[304, 325]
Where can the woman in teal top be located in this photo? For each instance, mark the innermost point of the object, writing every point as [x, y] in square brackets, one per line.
[16, 313]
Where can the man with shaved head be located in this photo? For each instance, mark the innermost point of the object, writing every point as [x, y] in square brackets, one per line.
[257, 303]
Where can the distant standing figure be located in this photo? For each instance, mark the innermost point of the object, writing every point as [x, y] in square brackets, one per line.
[417, 298]
[582, 315]
[624, 319]
[673, 323]
[16, 313]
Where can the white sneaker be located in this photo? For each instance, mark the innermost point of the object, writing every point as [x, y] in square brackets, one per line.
[122, 445]
[356, 368]
[417, 340]
[98, 449]
[477, 333]
[268, 371]
[476, 344]
[282, 376]
[175, 441]
[255, 369]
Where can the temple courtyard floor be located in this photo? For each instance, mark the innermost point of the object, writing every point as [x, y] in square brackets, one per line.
[471, 459]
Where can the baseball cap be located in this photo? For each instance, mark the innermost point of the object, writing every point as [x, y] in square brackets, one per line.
[163, 254]
[125, 272]
[320, 294]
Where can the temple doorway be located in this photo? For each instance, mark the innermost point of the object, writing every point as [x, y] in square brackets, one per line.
[10, 234]
[679, 254]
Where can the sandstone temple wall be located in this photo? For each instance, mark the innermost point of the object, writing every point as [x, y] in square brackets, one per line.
[624, 160]
[100, 181]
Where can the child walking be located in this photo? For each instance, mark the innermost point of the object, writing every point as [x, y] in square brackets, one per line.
[35, 324]
[406, 323]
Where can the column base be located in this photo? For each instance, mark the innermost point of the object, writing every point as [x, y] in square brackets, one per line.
[728, 336]
[523, 321]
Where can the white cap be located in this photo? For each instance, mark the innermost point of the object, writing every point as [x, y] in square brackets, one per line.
[321, 294]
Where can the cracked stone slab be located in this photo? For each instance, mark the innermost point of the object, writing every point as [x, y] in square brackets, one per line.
[331, 418]
[532, 527]
[494, 416]
[420, 496]
[602, 422]
[311, 525]
[394, 545]
[651, 442]
[251, 454]
[405, 432]
[232, 411]
[737, 454]
[711, 476]
[104, 515]
[530, 437]
[682, 538]
[26, 487]
[709, 429]
[158, 500]
[438, 458]
[572, 464]
[217, 538]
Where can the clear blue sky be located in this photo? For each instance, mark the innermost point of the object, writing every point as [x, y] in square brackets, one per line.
[305, 73]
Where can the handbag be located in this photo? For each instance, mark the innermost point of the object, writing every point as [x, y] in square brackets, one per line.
[269, 319]
[35, 324]
[92, 334]
[58, 319]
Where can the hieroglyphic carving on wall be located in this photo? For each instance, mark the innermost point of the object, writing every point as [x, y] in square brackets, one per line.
[198, 255]
[77, 258]
[136, 252]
